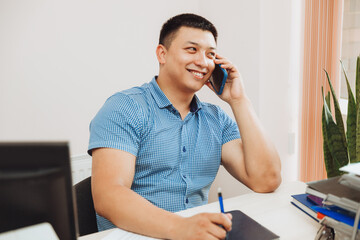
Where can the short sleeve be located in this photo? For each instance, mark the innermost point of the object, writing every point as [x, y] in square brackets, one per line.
[230, 128]
[116, 125]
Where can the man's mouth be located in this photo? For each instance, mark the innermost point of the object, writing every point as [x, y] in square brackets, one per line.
[196, 74]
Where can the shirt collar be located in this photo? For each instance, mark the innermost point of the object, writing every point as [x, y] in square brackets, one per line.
[163, 102]
[195, 104]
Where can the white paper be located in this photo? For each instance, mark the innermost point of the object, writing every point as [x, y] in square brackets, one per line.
[119, 234]
[352, 168]
[41, 231]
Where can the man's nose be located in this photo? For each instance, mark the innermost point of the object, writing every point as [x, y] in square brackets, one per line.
[202, 60]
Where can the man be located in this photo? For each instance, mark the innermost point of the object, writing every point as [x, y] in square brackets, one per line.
[156, 148]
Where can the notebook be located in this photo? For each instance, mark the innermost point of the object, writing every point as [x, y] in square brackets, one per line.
[246, 228]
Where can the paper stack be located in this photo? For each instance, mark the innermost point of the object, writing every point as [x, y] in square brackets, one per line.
[339, 205]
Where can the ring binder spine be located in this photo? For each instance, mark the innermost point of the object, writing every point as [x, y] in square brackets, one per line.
[356, 224]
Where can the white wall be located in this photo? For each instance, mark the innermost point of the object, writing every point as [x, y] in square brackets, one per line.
[263, 39]
[61, 59]
[279, 91]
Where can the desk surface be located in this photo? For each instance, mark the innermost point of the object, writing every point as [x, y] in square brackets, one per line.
[272, 210]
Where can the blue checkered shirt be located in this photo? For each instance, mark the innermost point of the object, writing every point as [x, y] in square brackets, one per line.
[176, 160]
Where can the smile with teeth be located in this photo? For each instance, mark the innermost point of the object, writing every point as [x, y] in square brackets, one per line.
[197, 74]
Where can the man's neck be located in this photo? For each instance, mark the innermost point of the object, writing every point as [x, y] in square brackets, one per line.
[179, 99]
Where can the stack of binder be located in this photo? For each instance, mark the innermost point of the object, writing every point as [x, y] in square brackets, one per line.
[335, 203]
[305, 203]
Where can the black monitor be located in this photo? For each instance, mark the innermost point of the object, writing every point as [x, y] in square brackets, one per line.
[36, 187]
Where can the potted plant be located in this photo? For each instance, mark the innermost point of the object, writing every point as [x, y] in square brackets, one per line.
[340, 148]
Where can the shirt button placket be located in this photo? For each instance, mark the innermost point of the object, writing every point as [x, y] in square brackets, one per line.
[184, 154]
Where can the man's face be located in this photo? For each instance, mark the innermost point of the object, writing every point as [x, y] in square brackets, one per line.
[189, 61]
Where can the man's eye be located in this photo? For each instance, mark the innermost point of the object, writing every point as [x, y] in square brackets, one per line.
[212, 55]
[192, 49]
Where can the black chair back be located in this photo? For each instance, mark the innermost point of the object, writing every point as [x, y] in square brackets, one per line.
[85, 208]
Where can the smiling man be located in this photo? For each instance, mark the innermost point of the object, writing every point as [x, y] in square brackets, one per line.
[157, 148]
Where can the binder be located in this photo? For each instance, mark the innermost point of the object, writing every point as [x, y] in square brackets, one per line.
[341, 192]
[332, 186]
[302, 202]
[342, 230]
[340, 216]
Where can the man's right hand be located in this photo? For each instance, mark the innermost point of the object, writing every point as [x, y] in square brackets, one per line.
[204, 226]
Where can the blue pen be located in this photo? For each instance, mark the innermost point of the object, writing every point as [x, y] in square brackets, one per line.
[221, 201]
[222, 209]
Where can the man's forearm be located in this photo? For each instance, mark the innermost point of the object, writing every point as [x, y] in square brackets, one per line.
[262, 162]
[129, 211]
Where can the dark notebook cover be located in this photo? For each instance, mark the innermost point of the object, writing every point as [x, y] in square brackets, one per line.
[246, 228]
[332, 186]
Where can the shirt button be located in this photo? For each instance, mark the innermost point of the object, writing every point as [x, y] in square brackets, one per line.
[184, 149]
[184, 176]
[187, 200]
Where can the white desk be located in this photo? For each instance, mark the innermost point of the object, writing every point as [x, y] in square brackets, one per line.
[272, 210]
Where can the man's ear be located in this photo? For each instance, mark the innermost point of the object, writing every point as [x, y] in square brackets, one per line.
[161, 53]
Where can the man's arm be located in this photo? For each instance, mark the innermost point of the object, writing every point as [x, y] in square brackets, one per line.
[112, 175]
[253, 160]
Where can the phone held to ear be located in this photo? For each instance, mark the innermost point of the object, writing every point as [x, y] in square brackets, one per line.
[218, 79]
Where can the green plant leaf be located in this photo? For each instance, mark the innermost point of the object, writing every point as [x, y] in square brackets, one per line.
[351, 121]
[358, 109]
[326, 106]
[327, 98]
[331, 169]
[338, 116]
[357, 81]
[334, 140]
[358, 135]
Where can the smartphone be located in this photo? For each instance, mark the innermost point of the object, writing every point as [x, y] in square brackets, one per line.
[218, 79]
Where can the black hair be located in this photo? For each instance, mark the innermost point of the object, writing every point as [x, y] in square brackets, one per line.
[172, 25]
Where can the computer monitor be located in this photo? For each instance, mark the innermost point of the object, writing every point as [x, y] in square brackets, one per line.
[36, 187]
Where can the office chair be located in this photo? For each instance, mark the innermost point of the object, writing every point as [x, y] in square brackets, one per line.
[85, 207]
